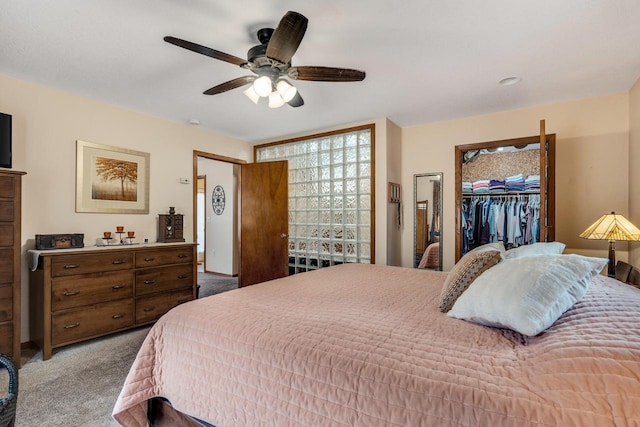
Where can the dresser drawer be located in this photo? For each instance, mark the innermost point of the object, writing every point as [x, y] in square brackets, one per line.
[6, 338]
[7, 186]
[6, 303]
[67, 265]
[75, 325]
[150, 308]
[6, 234]
[7, 210]
[163, 257]
[76, 291]
[6, 266]
[163, 279]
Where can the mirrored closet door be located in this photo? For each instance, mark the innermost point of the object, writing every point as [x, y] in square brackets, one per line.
[427, 220]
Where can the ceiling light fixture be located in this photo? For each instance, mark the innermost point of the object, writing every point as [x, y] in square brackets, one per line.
[252, 94]
[263, 86]
[275, 100]
[286, 90]
[508, 81]
[279, 93]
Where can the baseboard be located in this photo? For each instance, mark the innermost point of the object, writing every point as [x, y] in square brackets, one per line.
[219, 274]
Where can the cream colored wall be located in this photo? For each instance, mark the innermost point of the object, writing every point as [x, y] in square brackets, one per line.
[46, 125]
[592, 135]
[634, 168]
[393, 166]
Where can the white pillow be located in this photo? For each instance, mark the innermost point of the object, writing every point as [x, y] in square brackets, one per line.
[540, 248]
[527, 294]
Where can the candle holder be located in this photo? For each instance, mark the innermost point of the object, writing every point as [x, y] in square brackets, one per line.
[120, 232]
[106, 237]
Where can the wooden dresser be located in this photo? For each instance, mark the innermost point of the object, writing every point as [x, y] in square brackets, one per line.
[10, 257]
[79, 294]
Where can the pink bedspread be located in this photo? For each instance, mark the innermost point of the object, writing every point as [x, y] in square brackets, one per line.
[362, 345]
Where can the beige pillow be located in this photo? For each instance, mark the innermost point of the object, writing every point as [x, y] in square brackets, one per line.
[470, 266]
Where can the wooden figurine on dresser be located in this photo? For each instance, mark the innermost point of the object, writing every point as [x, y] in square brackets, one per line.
[170, 227]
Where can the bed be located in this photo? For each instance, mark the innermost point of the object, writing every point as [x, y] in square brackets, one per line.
[431, 257]
[365, 345]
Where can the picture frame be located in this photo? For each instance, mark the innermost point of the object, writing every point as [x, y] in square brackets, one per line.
[111, 179]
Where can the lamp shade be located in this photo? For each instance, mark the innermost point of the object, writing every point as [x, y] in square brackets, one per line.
[611, 227]
[252, 94]
[286, 90]
[275, 100]
[263, 86]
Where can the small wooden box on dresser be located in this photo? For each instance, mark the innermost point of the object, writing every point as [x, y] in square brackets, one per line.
[10, 262]
[79, 294]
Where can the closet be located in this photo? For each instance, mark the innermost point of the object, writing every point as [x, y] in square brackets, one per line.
[505, 191]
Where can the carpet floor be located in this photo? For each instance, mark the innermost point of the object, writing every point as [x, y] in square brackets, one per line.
[211, 284]
[79, 385]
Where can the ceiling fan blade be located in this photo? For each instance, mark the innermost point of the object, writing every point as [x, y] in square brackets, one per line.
[231, 84]
[326, 74]
[296, 101]
[287, 37]
[207, 51]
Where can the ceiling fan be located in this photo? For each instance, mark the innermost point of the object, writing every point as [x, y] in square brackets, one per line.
[270, 62]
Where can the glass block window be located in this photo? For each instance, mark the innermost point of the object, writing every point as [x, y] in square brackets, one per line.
[331, 184]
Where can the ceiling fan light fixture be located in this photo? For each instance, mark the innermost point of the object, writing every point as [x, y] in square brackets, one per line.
[252, 94]
[263, 86]
[286, 90]
[275, 100]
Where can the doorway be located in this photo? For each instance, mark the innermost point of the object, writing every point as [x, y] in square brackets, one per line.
[216, 222]
[245, 217]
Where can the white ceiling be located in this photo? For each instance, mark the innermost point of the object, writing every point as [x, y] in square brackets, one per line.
[425, 60]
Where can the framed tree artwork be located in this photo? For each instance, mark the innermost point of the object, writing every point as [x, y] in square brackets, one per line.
[111, 179]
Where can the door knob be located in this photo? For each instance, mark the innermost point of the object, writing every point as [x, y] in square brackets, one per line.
[283, 236]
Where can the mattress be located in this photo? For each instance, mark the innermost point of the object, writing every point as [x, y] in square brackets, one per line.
[365, 345]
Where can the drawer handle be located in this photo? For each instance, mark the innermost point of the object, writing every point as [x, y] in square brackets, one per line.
[116, 287]
[149, 259]
[182, 255]
[148, 309]
[117, 261]
[117, 316]
[149, 282]
[182, 276]
[71, 266]
[70, 294]
[75, 325]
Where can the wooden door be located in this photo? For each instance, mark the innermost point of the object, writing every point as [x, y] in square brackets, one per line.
[264, 222]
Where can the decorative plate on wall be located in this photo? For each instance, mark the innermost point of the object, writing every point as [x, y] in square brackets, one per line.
[217, 200]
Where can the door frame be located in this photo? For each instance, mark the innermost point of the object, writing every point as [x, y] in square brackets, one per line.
[547, 181]
[210, 156]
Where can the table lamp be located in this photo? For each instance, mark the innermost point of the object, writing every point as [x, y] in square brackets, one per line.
[612, 227]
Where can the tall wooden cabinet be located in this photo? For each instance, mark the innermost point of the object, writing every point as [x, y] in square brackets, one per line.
[10, 270]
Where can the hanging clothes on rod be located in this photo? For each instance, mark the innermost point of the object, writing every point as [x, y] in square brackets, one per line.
[511, 219]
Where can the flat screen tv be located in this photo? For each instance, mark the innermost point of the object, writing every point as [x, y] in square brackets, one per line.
[5, 140]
